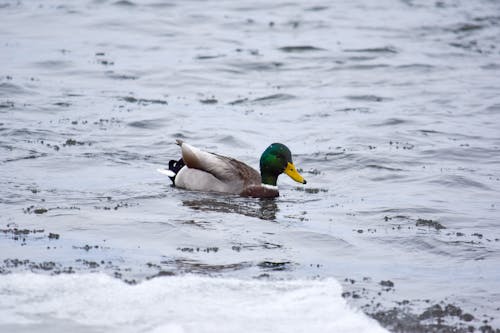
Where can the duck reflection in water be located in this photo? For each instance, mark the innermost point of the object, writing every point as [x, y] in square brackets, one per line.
[265, 208]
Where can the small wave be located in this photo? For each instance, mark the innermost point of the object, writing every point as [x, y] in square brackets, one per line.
[147, 124]
[53, 64]
[275, 265]
[161, 5]
[274, 98]
[196, 267]
[9, 89]
[6, 105]
[29, 133]
[208, 101]
[426, 132]
[458, 181]
[361, 58]
[359, 67]
[491, 19]
[417, 66]
[388, 178]
[124, 3]
[231, 141]
[244, 67]
[180, 135]
[494, 109]
[62, 104]
[32, 155]
[451, 135]
[354, 109]
[391, 122]
[116, 76]
[207, 57]
[403, 212]
[466, 27]
[463, 249]
[475, 154]
[317, 8]
[121, 156]
[382, 167]
[144, 101]
[368, 98]
[238, 101]
[329, 240]
[383, 49]
[300, 49]
[318, 115]
[491, 66]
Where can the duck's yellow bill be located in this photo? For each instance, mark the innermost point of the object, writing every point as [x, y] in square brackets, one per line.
[294, 174]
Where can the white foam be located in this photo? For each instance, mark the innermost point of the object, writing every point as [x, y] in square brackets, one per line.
[178, 304]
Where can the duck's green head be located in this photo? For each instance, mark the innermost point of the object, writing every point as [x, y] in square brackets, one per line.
[275, 160]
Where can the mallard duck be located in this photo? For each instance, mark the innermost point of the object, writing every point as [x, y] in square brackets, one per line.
[202, 171]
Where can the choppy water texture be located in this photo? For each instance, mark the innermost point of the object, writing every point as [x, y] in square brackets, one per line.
[391, 108]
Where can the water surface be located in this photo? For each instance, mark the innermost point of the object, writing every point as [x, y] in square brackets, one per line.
[391, 110]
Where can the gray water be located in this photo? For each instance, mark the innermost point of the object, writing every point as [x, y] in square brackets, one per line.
[391, 110]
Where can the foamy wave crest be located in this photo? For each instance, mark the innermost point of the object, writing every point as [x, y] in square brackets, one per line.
[97, 302]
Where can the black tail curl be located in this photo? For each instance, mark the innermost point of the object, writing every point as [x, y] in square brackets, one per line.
[175, 167]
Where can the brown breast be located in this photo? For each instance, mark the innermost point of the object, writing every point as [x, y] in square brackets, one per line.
[259, 191]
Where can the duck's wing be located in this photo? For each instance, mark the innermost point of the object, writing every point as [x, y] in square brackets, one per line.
[221, 167]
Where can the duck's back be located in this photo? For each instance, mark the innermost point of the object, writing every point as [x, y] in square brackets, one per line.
[212, 172]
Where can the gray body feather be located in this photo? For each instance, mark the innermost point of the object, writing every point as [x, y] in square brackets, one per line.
[211, 172]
